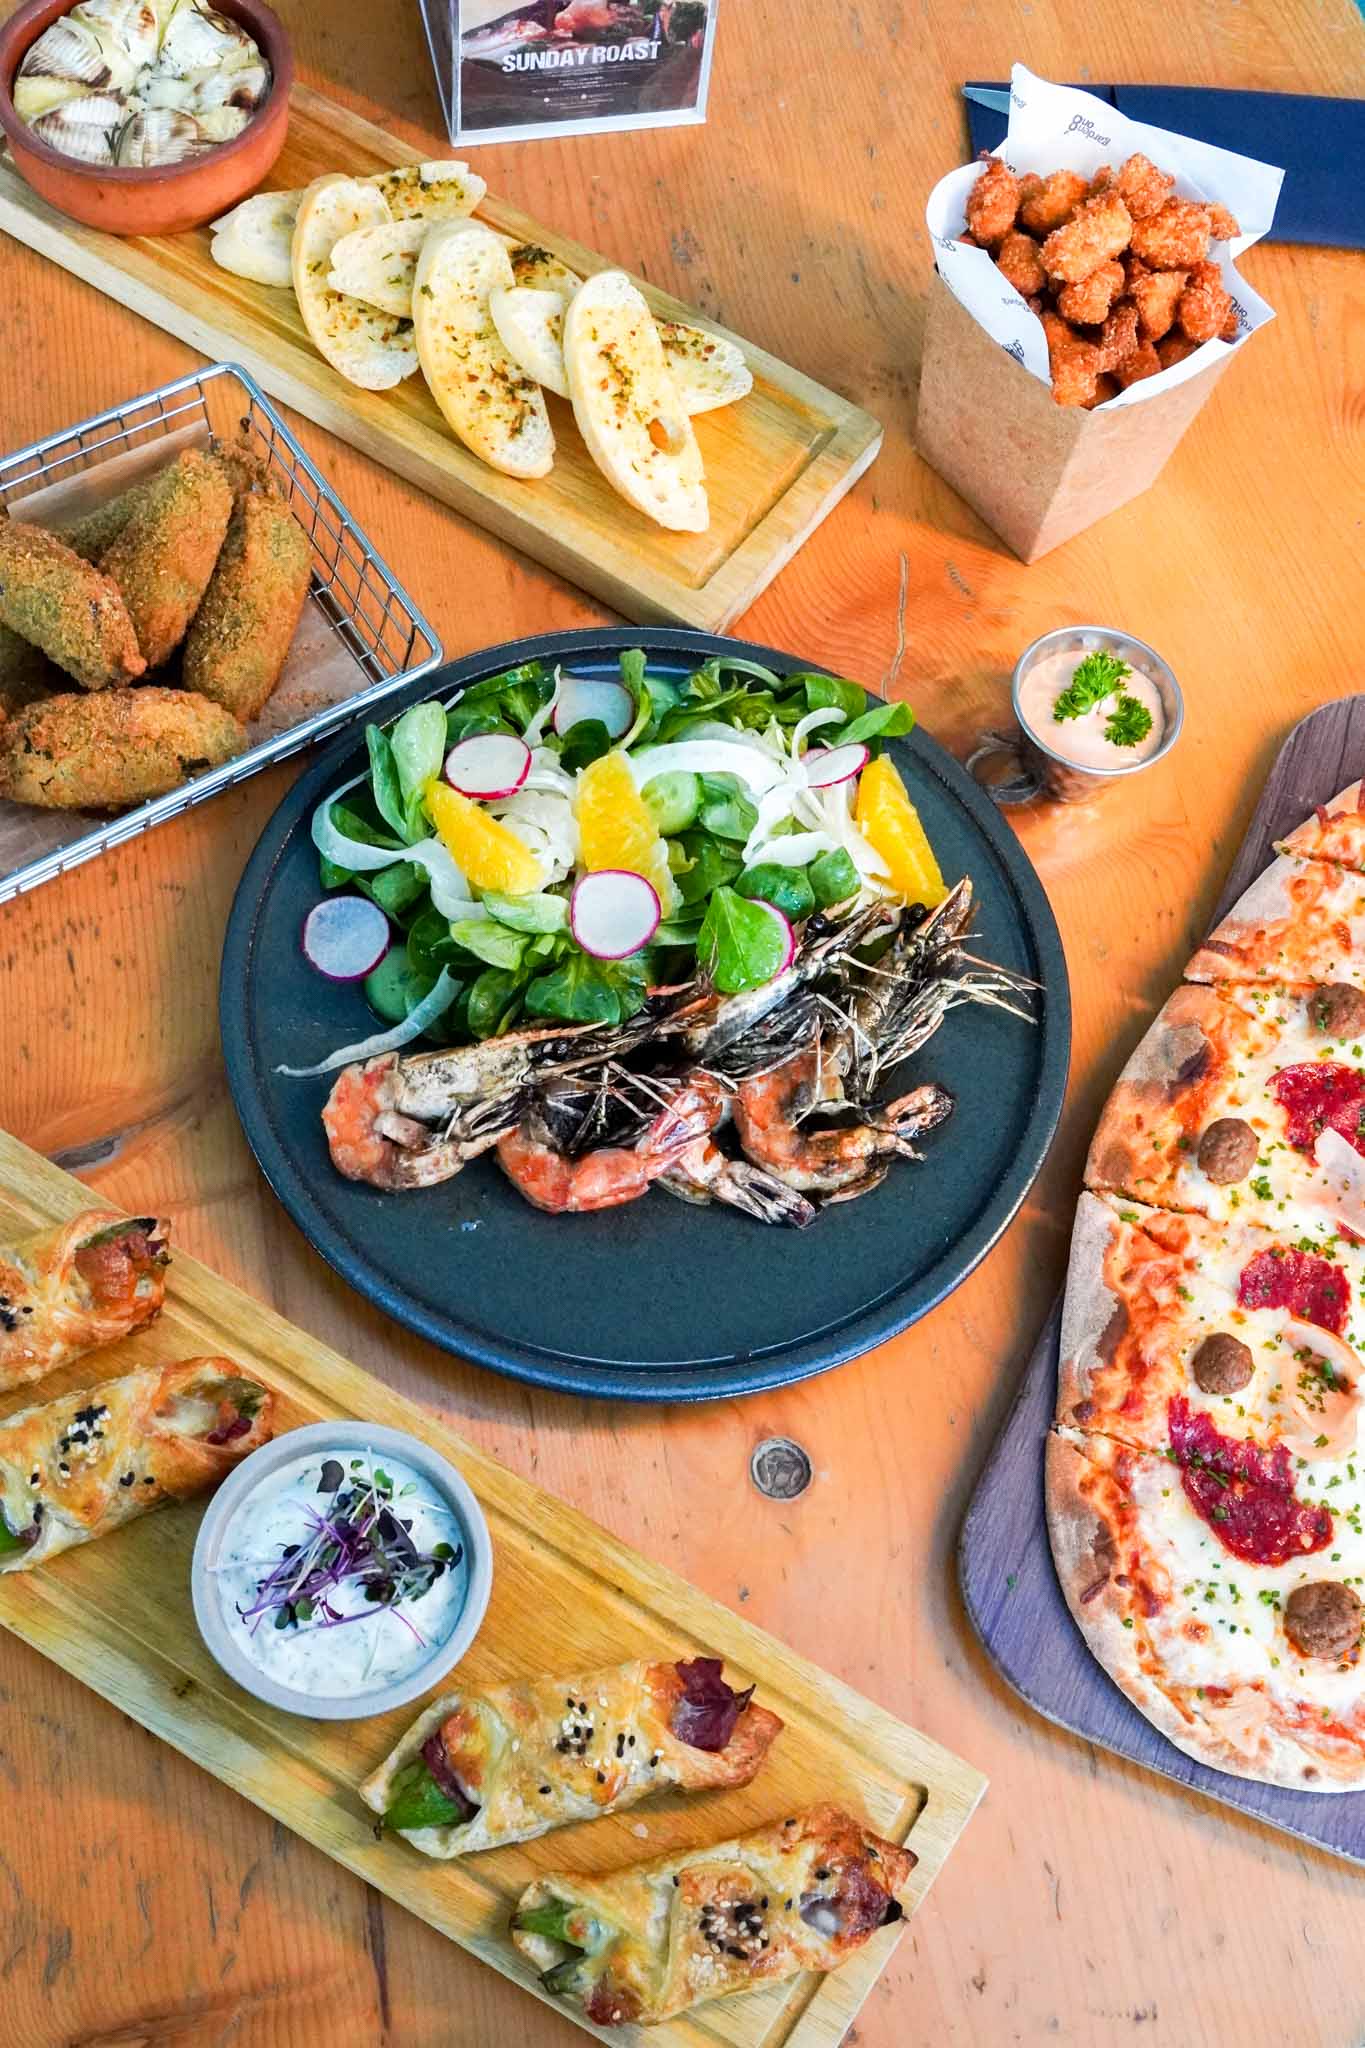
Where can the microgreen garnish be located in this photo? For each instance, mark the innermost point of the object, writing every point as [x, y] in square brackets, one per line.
[360, 1545]
[1096, 676]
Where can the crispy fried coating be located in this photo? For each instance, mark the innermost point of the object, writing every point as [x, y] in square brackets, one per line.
[164, 556]
[1142, 362]
[117, 748]
[1144, 189]
[993, 203]
[1223, 226]
[1076, 363]
[1155, 294]
[1019, 260]
[94, 532]
[65, 606]
[1089, 301]
[1119, 334]
[1054, 202]
[1174, 237]
[1097, 232]
[241, 633]
[1204, 304]
[1105, 387]
[1232, 322]
[1104, 177]
[1173, 348]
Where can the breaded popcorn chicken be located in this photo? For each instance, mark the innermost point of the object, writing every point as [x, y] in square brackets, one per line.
[1119, 334]
[1204, 304]
[1105, 387]
[993, 203]
[1223, 226]
[1097, 232]
[1076, 363]
[1173, 238]
[1053, 202]
[1144, 189]
[1089, 301]
[1172, 349]
[1155, 294]
[1143, 362]
[1020, 260]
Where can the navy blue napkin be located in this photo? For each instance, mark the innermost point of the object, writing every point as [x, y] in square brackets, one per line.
[1320, 144]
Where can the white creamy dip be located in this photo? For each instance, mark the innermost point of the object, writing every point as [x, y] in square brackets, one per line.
[383, 1644]
[1082, 740]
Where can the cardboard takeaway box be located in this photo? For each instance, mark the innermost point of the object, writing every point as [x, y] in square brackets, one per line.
[1037, 472]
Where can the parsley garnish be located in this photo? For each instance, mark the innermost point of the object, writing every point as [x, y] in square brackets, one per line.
[1129, 723]
[1096, 677]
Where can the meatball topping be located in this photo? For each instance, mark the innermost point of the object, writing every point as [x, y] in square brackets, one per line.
[1227, 1151]
[1338, 1010]
[1222, 1364]
[1323, 1619]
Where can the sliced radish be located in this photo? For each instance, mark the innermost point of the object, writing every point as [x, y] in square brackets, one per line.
[583, 697]
[345, 937]
[614, 912]
[788, 935]
[827, 765]
[488, 765]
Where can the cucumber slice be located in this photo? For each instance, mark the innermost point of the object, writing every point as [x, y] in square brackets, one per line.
[787, 889]
[673, 800]
[396, 987]
[398, 888]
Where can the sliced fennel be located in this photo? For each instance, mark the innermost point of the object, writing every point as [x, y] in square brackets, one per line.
[413, 1025]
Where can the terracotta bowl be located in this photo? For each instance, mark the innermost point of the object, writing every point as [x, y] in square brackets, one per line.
[160, 201]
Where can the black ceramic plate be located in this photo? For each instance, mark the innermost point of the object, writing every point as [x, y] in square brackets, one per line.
[660, 1300]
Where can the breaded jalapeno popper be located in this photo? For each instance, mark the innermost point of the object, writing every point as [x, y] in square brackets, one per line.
[164, 555]
[241, 634]
[121, 747]
[65, 606]
[76, 1287]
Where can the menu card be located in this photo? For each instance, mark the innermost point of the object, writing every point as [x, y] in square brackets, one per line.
[568, 67]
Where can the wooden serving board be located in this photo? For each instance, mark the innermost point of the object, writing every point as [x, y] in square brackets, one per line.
[566, 1597]
[1004, 1559]
[775, 464]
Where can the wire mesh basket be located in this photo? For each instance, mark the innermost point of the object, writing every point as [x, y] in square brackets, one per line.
[360, 639]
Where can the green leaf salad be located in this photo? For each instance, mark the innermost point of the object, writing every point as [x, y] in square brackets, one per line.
[748, 783]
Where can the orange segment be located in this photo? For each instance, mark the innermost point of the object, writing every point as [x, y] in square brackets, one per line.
[485, 851]
[890, 824]
[615, 828]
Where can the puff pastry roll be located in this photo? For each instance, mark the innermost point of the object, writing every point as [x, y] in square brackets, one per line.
[70, 1290]
[479, 1769]
[649, 1941]
[77, 1467]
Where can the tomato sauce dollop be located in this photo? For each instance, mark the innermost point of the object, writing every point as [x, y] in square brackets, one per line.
[1307, 1285]
[1244, 1493]
[1321, 1097]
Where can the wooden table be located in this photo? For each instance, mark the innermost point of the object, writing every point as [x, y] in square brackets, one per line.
[142, 1903]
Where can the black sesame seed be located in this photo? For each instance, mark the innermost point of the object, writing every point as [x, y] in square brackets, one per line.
[127, 1479]
[601, 1777]
[732, 1948]
[544, 1791]
[763, 1902]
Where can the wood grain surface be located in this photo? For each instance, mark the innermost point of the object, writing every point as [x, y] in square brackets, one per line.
[1005, 1568]
[142, 1903]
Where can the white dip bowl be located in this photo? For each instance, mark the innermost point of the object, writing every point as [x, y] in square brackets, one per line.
[240, 1510]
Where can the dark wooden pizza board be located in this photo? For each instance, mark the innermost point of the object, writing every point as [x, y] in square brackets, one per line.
[1004, 1561]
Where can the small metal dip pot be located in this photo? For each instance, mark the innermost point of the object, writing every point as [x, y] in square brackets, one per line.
[1041, 771]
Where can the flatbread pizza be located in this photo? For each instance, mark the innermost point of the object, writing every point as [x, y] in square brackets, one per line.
[1206, 1470]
